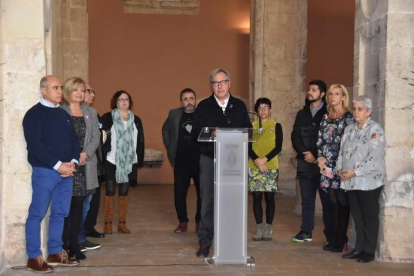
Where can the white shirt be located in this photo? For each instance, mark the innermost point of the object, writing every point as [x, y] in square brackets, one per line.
[223, 106]
[112, 154]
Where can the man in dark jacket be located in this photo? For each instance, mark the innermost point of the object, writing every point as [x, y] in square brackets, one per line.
[304, 138]
[221, 109]
[184, 155]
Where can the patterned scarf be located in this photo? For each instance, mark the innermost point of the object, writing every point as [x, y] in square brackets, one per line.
[125, 150]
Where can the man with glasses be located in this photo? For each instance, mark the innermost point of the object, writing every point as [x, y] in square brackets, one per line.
[53, 152]
[221, 109]
[184, 155]
[91, 204]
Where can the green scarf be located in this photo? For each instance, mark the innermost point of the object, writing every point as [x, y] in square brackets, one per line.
[125, 149]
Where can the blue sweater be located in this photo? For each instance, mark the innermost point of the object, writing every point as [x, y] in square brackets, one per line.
[50, 136]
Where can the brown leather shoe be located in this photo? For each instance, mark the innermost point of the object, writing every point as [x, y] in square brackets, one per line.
[61, 259]
[38, 265]
[181, 228]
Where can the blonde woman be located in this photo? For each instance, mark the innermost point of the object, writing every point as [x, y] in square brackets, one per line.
[85, 180]
[329, 140]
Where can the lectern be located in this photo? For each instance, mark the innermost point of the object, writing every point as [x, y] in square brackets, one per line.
[230, 193]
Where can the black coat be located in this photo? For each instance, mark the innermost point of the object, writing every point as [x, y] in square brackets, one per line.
[304, 138]
[210, 114]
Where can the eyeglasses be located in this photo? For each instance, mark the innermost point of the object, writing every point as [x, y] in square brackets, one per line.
[216, 83]
[90, 91]
[123, 100]
[264, 108]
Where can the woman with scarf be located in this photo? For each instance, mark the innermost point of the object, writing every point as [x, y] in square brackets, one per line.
[124, 151]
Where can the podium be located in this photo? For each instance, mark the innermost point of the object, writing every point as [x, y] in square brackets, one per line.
[230, 193]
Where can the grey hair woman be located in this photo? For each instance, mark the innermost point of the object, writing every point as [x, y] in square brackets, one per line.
[361, 167]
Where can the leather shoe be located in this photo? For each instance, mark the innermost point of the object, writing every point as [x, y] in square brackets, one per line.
[353, 255]
[38, 264]
[203, 251]
[61, 259]
[95, 234]
[181, 228]
[327, 247]
[366, 258]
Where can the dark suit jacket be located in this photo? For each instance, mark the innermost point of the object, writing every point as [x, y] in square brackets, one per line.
[170, 130]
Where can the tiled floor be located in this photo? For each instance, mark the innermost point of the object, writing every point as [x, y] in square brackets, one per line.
[154, 249]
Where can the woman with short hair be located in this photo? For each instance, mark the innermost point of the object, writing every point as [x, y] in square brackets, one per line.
[85, 180]
[264, 167]
[361, 167]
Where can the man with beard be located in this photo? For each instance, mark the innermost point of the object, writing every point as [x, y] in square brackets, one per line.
[304, 138]
[184, 156]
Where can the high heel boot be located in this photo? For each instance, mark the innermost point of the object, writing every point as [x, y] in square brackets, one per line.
[123, 202]
[109, 212]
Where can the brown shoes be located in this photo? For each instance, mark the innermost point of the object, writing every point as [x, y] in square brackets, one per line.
[182, 227]
[61, 259]
[38, 265]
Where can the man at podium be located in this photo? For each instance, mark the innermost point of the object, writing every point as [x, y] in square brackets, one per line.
[222, 110]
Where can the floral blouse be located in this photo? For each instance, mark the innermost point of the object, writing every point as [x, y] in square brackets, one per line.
[329, 142]
[363, 151]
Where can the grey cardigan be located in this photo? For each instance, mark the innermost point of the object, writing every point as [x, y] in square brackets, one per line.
[90, 145]
[170, 130]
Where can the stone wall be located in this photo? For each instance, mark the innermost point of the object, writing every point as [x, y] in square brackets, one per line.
[70, 44]
[38, 37]
[277, 68]
[22, 66]
[383, 61]
[187, 7]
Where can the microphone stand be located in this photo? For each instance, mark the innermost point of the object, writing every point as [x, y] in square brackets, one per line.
[253, 113]
[260, 131]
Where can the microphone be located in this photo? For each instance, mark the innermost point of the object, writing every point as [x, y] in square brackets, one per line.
[252, 113]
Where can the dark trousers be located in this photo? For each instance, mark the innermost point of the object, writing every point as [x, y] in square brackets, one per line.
[73, 224]
[92, 215]
[365, 212]
[308, 188]
[182, 179]
[339, 211]
[206, 231]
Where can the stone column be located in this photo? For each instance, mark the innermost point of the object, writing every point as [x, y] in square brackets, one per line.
[277, 68]
[70, 39]
[23, 64]
[383, 61]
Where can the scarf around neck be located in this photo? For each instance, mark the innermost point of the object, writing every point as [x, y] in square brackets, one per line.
[125, 150]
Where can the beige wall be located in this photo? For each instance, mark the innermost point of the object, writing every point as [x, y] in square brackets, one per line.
[330, 41]
[154, 57]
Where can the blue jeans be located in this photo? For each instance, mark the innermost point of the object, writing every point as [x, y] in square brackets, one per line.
[308, 188]
[48, 188]
[86, 205]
